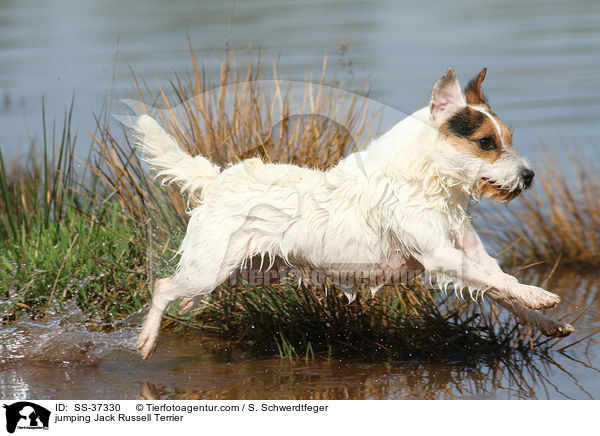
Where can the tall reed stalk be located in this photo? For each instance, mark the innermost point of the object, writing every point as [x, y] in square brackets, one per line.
[35, 193]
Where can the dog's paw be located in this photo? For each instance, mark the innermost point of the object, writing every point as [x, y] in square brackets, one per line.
[560, 330]
[535, 298]
[146, 343]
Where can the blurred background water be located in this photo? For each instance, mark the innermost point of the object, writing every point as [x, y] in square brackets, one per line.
[543, 57]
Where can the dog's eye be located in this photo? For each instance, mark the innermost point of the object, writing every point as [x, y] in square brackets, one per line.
[486, 143]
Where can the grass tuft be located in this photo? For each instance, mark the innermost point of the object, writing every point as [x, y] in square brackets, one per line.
[402, 323]
[61, 241]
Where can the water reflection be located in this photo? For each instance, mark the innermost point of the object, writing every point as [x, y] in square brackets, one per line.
[579, 290]
[190, 367]
[532, 379]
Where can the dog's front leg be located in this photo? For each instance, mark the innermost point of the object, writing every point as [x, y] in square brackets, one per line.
[443, 258]
[535, 318]
[470, 243]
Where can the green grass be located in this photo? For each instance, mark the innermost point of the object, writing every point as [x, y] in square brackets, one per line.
[81, 258]
[61, 241]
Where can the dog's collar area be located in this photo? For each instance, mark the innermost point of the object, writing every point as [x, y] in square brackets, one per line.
[494, 121]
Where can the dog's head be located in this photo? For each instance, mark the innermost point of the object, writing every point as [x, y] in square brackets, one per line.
[471, 128]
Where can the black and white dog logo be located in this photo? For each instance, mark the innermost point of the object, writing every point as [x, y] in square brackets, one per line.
[26, 415]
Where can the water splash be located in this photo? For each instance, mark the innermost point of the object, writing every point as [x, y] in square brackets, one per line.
[66, 337]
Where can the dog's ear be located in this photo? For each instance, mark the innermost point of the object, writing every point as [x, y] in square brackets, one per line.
[473, 91]
[446, 98]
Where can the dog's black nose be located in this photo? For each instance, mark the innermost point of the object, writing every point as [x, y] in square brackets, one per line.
[527, 176]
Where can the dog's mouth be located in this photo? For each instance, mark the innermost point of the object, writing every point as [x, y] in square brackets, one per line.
[494, 191]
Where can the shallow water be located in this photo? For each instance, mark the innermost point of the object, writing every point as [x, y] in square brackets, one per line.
[186, 367]
[62, 357]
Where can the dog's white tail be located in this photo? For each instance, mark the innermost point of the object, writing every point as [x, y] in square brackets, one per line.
[173, 164]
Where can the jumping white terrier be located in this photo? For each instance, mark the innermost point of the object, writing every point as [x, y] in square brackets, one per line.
[400, 203]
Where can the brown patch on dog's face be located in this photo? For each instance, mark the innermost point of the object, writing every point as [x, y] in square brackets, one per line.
[474, 132]
[469, 126]
[475, 129]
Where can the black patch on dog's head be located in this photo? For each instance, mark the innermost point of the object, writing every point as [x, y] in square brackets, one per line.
[465, 122]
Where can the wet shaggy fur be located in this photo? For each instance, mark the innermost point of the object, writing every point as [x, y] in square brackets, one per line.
[402, 203]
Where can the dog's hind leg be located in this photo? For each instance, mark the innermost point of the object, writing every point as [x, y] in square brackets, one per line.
[170, 289]
[199, 275]
[191, 284]
[164, 293]
[548, 326]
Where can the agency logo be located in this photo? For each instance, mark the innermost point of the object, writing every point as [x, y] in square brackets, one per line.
[26, 415]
